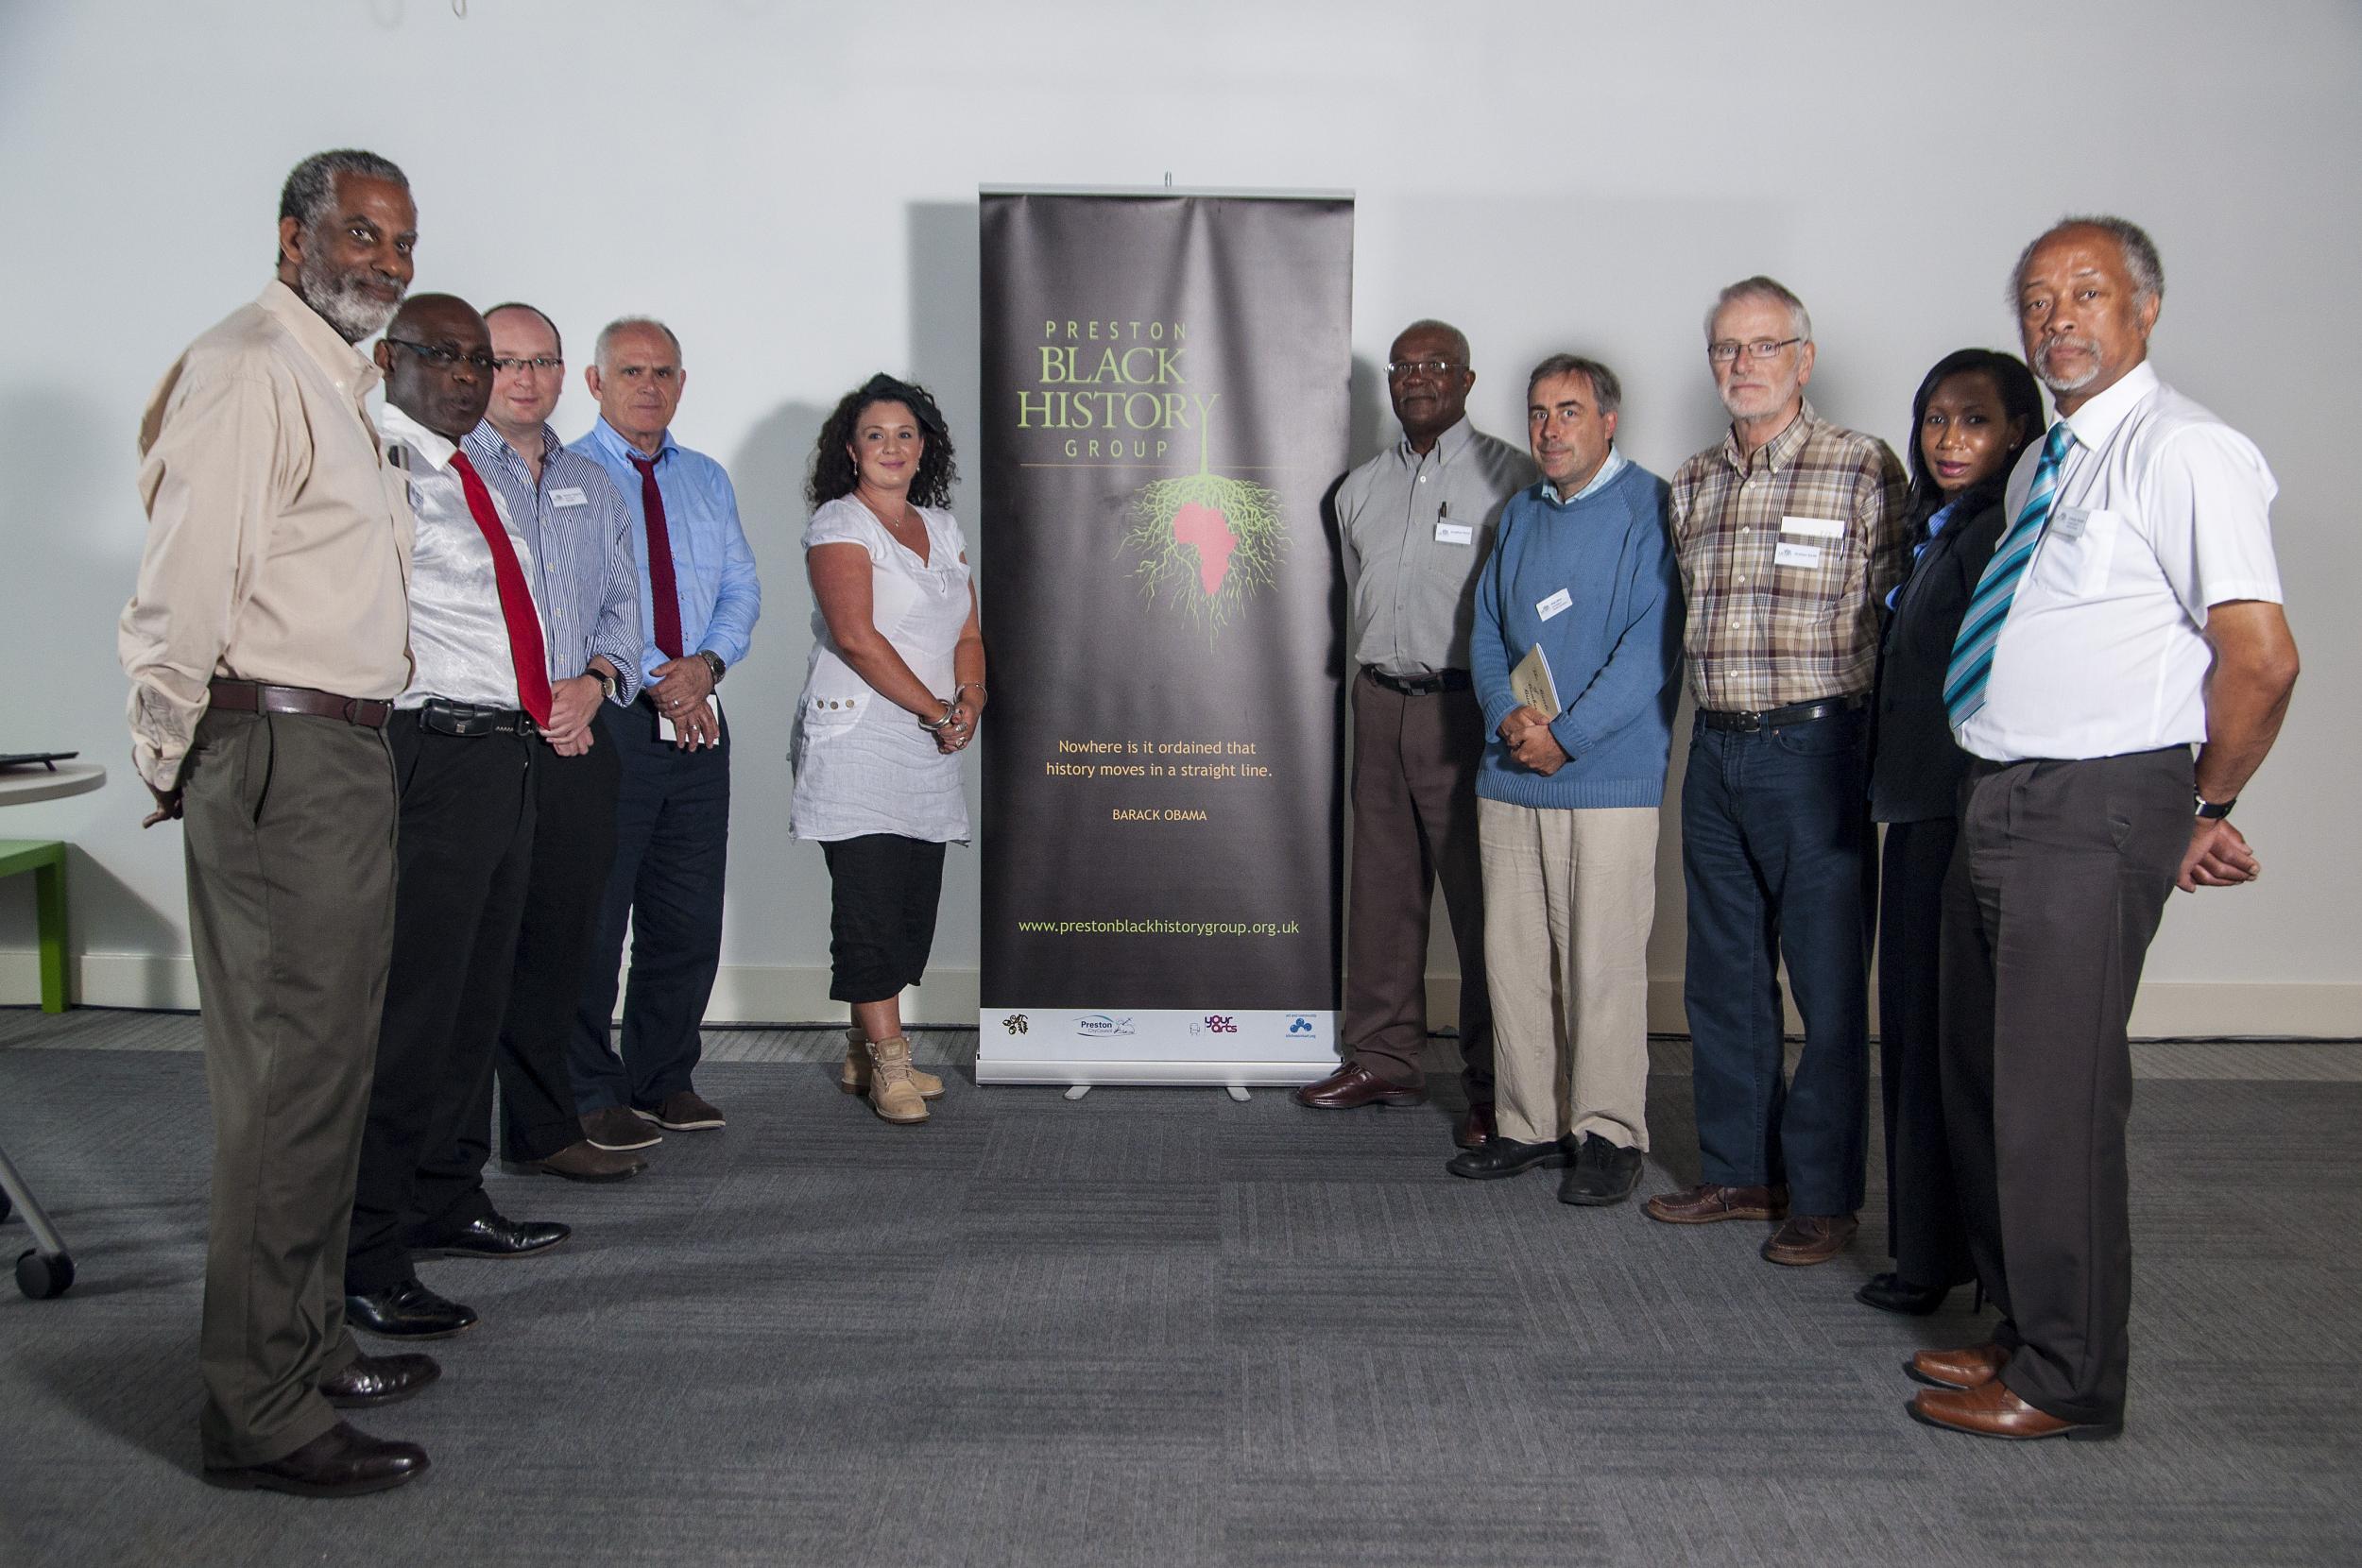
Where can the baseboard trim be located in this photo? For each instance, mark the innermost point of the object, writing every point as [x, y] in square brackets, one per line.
[785, 994]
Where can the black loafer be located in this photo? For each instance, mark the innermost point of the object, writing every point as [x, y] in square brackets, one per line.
[408, 1311]
[1891, 1292]
[379, 1380]
[1603, 1173]
[340, 1462]
[1497, 1156]
[496, 1236]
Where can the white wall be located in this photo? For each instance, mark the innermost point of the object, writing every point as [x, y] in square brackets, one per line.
[793, 187]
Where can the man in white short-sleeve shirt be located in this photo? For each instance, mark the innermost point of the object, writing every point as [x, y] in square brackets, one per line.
[2139, 558]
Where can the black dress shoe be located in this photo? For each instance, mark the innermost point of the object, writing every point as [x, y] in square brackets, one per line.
[379, 1380]
[1891, 1292]
[1603, 1173]
[497, 1235]
[408, 1311]
[1499, 1156]
[340, 1462]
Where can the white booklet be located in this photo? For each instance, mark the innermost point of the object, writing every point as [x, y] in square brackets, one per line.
[1531, 683]
[664, 730]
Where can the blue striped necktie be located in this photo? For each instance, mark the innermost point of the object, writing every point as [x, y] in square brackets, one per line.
[1980, 627]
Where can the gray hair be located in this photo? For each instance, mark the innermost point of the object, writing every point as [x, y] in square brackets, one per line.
[1761, 287]
[2140, 254]
[1605, 389]
[311, 187]
[622, 324]
[555, 337]
[1428, 324]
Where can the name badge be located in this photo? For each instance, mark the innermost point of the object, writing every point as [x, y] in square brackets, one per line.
[1796, 554]
[2068, 522]
[1455, 533]
[1555, 604]
[1819, 528]
[568, 495]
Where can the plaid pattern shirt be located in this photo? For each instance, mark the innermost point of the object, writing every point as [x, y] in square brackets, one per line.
[1785, 560]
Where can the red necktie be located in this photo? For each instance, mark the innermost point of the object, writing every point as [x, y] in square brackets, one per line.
[524, 628]
[661, 587]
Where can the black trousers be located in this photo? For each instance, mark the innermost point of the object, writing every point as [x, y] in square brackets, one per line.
[1926, 1235]
[463, 851]
[2053, 896]
[883, 891]
[574, 847]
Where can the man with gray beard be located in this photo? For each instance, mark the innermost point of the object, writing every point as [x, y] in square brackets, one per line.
[265, 642]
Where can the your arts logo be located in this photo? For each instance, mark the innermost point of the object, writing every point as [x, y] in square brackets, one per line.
[1206, 542]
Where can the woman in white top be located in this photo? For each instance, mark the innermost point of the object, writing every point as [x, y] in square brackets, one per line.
[892, 695]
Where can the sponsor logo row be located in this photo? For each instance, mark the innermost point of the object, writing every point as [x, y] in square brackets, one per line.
[1106, 1026]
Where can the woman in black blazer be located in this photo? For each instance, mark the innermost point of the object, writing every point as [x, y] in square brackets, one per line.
[1975, 413]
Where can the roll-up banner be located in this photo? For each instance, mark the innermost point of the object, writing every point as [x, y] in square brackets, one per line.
[1165, 392]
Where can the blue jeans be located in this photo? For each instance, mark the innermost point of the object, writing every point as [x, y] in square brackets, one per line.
[1775, 836]
[672, 842]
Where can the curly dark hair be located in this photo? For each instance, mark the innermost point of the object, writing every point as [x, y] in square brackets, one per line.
[833, 472]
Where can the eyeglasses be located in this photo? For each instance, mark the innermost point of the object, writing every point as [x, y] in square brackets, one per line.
[1725, 351]
[1397, 368]
[543, 363]
[443, 357]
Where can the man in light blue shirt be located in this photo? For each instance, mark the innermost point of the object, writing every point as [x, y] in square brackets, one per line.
[700, 599]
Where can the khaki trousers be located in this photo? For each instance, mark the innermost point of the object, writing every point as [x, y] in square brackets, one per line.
[1569, 897]
[290, 845]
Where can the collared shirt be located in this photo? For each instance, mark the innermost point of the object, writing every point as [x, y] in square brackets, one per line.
[1610, 465]
[1415, 528]
[1784, 557]
[458, 636]
[580, 532]
[278, 540]
[2162, 511]
[714, 568]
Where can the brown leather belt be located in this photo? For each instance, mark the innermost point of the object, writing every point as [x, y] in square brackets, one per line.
[248, 696]
[1795, 713]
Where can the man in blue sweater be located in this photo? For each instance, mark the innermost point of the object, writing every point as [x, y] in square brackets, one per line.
[1568, 790]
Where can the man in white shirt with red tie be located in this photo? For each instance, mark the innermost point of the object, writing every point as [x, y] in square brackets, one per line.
[2130, 613]
[465, 737]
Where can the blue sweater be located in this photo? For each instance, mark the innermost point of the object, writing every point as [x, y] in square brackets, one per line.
[1614, 653]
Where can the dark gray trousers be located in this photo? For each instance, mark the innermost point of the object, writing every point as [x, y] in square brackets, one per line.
[289, 824]
[2053, 896]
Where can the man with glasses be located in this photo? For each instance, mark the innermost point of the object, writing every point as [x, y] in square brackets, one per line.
[264, 643]
[465, 735]
[1789, 531]
[700, 599]
[588, 583]
[1415, 522]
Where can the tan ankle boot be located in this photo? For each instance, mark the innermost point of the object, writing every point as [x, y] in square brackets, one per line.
[854, 1079]
[892, 1094]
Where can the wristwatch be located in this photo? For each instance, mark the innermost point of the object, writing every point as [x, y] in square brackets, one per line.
[713, 662]
[607, 683]
[2210, 810]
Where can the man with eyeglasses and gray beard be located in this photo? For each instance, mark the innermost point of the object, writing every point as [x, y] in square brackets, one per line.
[265, 642]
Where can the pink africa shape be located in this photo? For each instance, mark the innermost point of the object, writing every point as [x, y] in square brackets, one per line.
[1210, 531]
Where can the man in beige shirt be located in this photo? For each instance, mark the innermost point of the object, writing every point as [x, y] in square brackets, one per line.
[265, 642]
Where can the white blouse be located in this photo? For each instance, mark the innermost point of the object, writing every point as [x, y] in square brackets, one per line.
[862, 764]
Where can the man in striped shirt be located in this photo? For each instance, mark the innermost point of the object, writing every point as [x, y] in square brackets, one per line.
[1789, 531]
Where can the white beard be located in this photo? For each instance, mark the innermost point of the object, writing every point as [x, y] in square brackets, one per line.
[339, 299]
[2067, 383]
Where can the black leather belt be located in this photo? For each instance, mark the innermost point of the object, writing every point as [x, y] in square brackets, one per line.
[248, 696]
[450, 717]
[1419, 686]
[1795, 713]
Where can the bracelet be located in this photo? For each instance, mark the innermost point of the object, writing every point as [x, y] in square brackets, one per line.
[977, 687]
[936, 727]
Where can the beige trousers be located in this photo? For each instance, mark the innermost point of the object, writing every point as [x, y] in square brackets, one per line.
[1569, 897]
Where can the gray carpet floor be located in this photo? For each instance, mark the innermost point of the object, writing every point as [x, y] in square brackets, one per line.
[1159, 1327]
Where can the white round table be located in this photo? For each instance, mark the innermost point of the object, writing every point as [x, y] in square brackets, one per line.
[21, 786]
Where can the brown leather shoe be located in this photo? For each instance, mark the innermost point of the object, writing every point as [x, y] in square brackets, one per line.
[618, 1130]
[1809, 1238]
[1476, 1126]
[1353, 1085]
[1994, 1411]
[684, 1111]
[379, 1380]
[1709, 1202]
[340, 1462]
[583, 1161]
[1972, 1368]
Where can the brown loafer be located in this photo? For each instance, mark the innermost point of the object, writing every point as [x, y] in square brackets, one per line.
[1972, 1368]
[1809, 1238]
[1709, 1202]
[340, 1462]
[1352, 1087]
[1994, 1411]
[1476, 1127]
[618, 1130]
[684, 1111]
[370, 1380]
[583, 1161]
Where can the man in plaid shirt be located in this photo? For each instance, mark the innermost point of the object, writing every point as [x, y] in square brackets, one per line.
[1789, 531]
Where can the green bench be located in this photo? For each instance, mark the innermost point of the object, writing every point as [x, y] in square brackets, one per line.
[45, 859]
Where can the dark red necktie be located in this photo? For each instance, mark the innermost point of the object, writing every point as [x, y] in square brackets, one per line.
[524, 628]
[661, 587]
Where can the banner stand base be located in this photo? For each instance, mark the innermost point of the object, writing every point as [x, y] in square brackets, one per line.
[1237, 1077]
